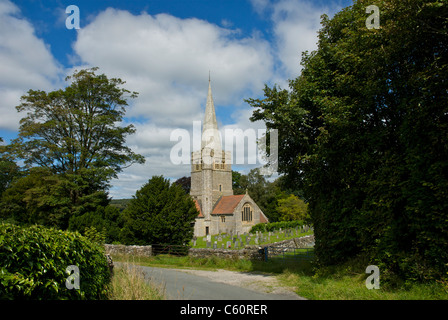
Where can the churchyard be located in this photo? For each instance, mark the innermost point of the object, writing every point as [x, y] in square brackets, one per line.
[239, 241]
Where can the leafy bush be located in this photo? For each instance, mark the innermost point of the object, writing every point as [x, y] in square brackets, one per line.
[363, 132]
[34, 262]
[266, 227]
[103, 218]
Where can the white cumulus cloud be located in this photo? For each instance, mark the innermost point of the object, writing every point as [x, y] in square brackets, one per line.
[25, 63]
[167, 60]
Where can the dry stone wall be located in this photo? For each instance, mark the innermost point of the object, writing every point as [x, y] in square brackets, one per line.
[118, 249]
[253, 252]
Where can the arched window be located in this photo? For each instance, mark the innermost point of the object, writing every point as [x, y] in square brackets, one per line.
[246, 214]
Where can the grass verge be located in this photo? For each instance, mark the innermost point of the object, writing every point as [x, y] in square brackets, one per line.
[344, 282]
[129, 283]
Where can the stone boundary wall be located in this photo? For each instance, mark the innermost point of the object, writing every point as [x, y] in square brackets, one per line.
[119, 249]
[302, 242]
[254, 252]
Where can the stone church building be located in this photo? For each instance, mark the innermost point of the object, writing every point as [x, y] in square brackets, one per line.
[220, 211]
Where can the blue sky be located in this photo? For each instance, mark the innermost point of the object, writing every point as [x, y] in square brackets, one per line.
[163, 49]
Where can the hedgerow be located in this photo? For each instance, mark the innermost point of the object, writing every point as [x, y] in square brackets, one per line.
[33, 263]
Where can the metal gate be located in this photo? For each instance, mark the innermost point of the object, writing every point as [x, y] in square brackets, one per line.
[288, 253]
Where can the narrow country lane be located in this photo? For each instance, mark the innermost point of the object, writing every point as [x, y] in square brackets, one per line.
[183, 284]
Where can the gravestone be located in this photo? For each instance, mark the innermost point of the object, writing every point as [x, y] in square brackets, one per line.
[229, 244]
[215, 245]
[208, 244]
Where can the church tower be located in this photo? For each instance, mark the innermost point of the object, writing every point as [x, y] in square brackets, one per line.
[211, 170]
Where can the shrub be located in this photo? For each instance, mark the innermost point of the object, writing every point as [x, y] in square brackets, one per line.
[159, 213]
[34, 262]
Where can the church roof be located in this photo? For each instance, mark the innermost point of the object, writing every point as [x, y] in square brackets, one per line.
[198, 207]
[263, 218]
[227, 204]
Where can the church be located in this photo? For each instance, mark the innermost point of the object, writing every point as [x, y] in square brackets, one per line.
[220, 211]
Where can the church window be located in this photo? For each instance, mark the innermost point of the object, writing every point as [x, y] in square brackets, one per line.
[220, 187]
[223, 218]
[246, 214]
[220, 165]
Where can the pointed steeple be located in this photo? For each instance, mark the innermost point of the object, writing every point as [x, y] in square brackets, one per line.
[210, 133]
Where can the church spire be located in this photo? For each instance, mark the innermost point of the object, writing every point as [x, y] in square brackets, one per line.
[210, 133]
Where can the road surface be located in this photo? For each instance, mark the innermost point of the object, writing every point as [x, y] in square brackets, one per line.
[180, 284]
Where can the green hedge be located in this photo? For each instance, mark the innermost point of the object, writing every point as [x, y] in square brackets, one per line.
[33, 263]
[266, 227]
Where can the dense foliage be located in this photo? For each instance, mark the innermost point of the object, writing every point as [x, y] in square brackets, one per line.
[159, 213]
[278, 201]
[72, 145]
[34, 262]
[362, 131]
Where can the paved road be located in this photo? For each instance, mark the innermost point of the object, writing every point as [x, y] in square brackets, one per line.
[181, 285]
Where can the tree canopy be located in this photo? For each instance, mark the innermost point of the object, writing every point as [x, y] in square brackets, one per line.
[362, 131]
[74, 131]
[159, 213]
[72, 144]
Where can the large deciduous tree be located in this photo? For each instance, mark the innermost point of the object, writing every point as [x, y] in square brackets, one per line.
[75, 132]
[72, 144]
[363, 132]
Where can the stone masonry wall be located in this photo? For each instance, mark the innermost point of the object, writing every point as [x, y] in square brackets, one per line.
[255, 252]
[119, 249]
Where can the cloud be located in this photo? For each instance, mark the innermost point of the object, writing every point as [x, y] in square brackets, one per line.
[25, 63]
[295, 29]
[163, 52]
[167, 60]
